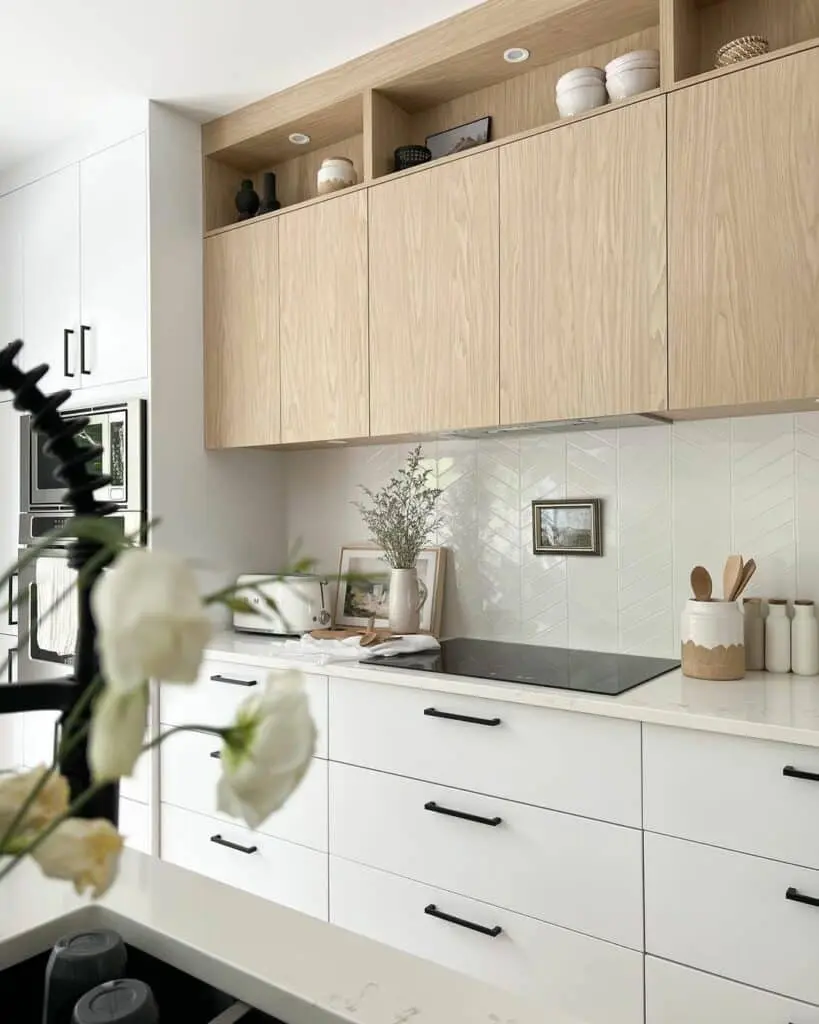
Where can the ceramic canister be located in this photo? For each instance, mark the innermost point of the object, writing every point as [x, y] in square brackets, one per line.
[712, 637]
[336, 172]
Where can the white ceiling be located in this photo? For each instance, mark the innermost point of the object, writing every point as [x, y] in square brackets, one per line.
[63, 63]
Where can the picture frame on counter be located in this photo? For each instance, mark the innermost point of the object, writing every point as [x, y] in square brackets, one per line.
[363, 591]
[460, 138]
[567, 527]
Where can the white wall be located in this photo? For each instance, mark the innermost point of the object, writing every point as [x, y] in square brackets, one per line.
[674, 496]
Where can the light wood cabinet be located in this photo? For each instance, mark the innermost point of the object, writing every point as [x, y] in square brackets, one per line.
[241, 337]
[743, 203]
[323, 322]
[583, 269]
[434, 267]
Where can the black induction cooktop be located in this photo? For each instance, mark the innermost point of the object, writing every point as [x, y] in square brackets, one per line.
[559, 667]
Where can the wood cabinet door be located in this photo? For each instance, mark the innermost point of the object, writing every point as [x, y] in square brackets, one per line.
[583, 269]
[114, 264]
[434, 299]
[242, 337]
[323, 322]
[743, 167]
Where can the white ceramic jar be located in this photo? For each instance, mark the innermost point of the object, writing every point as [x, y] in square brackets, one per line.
[580, 90]
[336, 172]
[804, 639]
[754, 634]
[712, 640]
[633, 73]
[778, 637]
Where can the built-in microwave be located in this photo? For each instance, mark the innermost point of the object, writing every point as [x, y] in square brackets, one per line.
[118, 429]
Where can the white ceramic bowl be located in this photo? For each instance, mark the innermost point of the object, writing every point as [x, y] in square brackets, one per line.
[635, 59]
[579, 76]
[580, 98]
[631, 82]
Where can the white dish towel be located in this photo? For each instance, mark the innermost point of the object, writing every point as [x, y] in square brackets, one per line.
[322, 651]
[57, 628]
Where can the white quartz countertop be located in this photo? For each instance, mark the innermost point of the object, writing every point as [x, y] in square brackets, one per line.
[299, 969]
[764, 705]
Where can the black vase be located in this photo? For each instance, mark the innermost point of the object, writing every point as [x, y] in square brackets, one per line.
[247, 200]
[269, 200]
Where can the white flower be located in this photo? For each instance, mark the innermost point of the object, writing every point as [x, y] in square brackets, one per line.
[150, 619]
[267, 750]
[50, 802]
[85, 852]
[117, 731]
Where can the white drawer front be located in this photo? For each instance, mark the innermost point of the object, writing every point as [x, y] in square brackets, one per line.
[282, 872]
[221, 687]
[38, 737]
[566, 870]
[679, 995]
[692, 778]
[190, 775]
[138, 786]
[726, 913]
[135, 824]
[592, 981]
[568, 762]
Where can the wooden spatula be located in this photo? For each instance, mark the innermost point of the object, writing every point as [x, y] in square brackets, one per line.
[747, 572]
[701, 583]
[731, 575]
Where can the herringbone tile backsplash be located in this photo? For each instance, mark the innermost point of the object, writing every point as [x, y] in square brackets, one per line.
[674, 496]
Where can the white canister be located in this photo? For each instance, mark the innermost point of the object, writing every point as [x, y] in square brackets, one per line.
[336, 172]
[804, 639]
[712, 639]
[754, 634]
[778, 637]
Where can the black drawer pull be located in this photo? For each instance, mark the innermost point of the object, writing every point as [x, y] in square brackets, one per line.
[216, 754]
[12, 621]
[461, 718]
[84, 329]
[433, 911]
[233, 682]
[798, 897]
[797, 773]
[232, 846]
[432, 806]
[66, 336]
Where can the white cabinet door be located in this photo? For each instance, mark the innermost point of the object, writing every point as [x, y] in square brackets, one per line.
[51, 275]
[11, 271]
[114, 264]
[9, 506]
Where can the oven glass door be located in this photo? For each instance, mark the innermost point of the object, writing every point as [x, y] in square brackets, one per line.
[45, 488]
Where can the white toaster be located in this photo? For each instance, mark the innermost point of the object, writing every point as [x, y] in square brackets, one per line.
[300, 604]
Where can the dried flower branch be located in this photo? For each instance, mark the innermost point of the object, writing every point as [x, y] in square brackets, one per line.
[403, 515]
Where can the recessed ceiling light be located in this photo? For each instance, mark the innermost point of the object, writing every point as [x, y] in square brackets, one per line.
[516, 55]
[299, 138]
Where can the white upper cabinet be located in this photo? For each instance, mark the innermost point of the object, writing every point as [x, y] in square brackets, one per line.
[9, 510]
[114, 264]
[11, 272]
[51, 275]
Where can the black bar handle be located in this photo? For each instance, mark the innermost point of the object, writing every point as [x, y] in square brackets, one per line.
[432, 806]
[233, 682]
[433, 911]
[11, 620]
[232, 846]
[216, 754]
[797, 773]
[10, 664]
[83, 329]
[799, 897]
[66, 334]
[461, 718]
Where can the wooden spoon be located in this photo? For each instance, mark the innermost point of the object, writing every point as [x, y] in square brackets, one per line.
[701, 583]
[731, 575]
[747, 572]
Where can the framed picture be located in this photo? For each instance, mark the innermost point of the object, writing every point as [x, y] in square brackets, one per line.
[364, 587]
[456, 140]
[571, 527]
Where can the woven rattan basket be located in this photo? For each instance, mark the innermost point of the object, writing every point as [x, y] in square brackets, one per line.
[741, 49]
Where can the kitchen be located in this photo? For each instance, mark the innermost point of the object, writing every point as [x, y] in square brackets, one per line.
[629, 793]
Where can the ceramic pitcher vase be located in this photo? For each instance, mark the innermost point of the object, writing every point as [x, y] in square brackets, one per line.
[407, 596]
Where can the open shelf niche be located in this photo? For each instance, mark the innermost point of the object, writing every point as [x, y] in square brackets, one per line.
[698, 28]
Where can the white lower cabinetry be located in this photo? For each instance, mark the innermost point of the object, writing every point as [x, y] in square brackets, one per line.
[595, 981]
[680, 995]
[276, 870]
[135, 824]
